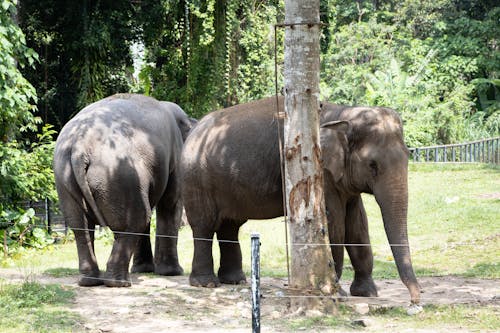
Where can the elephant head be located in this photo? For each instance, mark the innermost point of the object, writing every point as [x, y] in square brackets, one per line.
[184, 122]
[375, 162]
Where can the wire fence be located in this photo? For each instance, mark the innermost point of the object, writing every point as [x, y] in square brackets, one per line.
[259, 295]
[481, 151]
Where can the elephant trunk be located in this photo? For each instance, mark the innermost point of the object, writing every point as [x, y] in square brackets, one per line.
[393, 202]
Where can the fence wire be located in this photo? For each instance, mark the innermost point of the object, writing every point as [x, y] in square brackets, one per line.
[264, 295]
[102, 229]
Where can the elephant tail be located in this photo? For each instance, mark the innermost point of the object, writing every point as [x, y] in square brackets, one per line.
[80, 166]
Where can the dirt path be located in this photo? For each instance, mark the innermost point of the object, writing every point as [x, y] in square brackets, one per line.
[170, 304]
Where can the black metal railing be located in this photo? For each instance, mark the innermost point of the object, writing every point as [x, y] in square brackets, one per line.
[48, 214]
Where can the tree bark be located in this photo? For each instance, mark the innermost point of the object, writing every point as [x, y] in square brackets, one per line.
[312, 267]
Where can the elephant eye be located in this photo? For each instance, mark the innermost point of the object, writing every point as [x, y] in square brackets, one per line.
[373, 168]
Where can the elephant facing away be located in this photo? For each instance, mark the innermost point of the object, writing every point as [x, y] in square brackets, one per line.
[231, 173]
[115, 161]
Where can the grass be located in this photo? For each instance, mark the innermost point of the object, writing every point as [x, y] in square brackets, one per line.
[453, 225]
[32, 307]
[438, 318]
[444, 317]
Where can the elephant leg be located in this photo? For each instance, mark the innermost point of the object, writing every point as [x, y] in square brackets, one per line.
[230, 270]
[361, 256]
[82, 226]
[338, 250]
[127, 225]
[202, 271]
[143, 257]
[168, 221]
[87, 261]
[335, 213]
[117, 274]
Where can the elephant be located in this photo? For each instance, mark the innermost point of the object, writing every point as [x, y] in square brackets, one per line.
[114, 162]
[231, 173]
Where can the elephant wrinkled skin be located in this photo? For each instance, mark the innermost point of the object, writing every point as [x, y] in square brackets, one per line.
[231, 173]
[114, 162]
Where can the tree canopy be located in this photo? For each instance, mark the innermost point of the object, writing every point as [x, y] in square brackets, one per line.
[436, 62]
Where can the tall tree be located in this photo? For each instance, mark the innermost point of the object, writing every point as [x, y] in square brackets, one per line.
[312, 265]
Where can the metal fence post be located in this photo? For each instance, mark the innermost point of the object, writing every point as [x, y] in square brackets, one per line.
[47, 215]
[255, 244]
[488, 145]
[497, 151]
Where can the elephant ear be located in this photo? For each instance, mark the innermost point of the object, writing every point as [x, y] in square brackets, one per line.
[334, 147]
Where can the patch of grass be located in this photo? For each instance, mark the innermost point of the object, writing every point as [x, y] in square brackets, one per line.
[308, 323]
[61, 272]
[485, 270]
[443, 317]
[342, 319]
[432, 318]
[32, 307]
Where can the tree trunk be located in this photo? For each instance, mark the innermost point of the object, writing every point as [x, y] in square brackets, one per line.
[312, 265]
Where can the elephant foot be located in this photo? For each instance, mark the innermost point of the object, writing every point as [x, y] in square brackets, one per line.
[117, 280]
[232, 277]
[90, 279]
[208, 281]
[147, 267]
[169, 270]
[364, 287]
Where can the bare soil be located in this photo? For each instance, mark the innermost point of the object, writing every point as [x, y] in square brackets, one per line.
[170, 304]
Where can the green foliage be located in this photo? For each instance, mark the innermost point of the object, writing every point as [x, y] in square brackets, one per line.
[16, 93]
[25, 168]
[213, 54]
[420, 60]
[25, 174]
[84, 49]
[436, 62]
[344, 68]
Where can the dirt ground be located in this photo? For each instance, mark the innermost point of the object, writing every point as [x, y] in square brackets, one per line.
[170, 304]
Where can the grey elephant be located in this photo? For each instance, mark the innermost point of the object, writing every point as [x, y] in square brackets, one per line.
[231, 173]
[115, 161]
